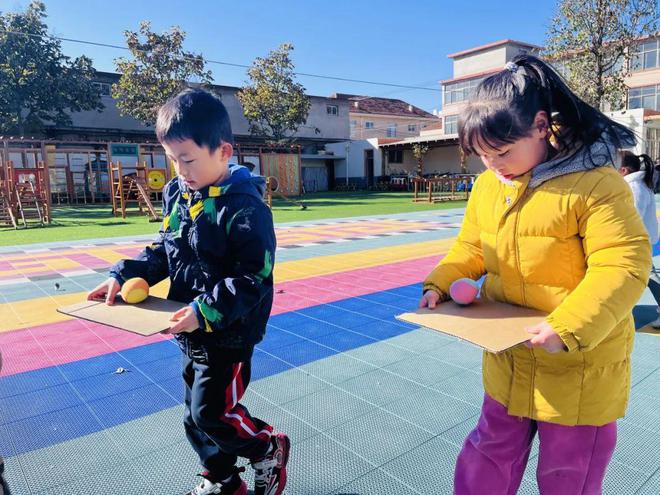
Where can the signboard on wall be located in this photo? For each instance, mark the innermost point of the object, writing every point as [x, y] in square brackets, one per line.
[127, 154]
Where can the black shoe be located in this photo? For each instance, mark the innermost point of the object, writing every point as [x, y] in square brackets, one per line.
[270, 472]
[233, 486]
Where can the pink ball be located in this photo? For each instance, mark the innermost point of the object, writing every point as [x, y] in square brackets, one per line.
[464, 291]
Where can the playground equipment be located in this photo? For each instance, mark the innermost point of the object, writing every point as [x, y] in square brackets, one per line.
[24, 195]
[132, 188]
[69, 172]
[273, 186]
[7, 214]
[29, 204]
[437, 189]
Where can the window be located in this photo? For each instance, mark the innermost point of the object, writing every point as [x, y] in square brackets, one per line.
[653, 143]
[395, 156]
[368, 125]
[353, 124]
[412, 128]
[391, 130]
[451, 124]
[644, 97]
[104, 88]
[460, 91]
[645, 56]
[332, 109]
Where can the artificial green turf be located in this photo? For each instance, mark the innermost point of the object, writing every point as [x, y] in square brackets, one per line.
[96, 221]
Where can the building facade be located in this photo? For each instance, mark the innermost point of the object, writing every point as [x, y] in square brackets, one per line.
[385, 118]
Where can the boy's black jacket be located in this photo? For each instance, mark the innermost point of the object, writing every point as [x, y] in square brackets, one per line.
[217, 245]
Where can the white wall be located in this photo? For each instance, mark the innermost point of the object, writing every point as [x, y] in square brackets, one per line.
[474, 63]
[438, 160]
[633, 119]
[354, 152]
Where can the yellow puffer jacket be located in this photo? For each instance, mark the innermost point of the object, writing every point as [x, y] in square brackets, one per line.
[575, 248]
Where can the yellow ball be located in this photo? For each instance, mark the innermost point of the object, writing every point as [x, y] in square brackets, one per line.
[135, 290]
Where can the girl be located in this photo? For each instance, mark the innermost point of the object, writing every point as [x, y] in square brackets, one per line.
[637, 171]
[553, 227]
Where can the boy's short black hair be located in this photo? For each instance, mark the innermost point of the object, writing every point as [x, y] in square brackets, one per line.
[195, 114]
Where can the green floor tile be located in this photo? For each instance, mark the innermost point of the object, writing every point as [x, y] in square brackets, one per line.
[380, 354]
[287, 386]
[327, 408]
[380, 387]
[623, 480]
[170, 470]
[424, 369]
[297, 429]
[644, 412]
[429, 467]
[320, 465]
[376, 483]
[150, 433]
[466, 386]
[432, 411]
[421, 340]
[651, 487]
[119, 480]
[640, 448]
[458, 433]
[15, 477]
[338, 368]
[379, 436]
[76, 459]
[460, 354]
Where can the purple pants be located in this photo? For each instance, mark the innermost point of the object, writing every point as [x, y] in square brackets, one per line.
[572, 459]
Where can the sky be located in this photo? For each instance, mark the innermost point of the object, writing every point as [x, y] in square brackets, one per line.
[393, 41]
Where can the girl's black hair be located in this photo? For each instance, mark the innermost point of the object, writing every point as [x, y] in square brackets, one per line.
[635, 163]
[502, 109]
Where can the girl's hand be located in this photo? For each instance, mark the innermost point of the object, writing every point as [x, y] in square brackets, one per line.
[546, 338]
[108, 290]
[183, 321]
[429, 299]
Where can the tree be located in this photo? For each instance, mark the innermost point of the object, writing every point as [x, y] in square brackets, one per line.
[594, 41]
[273, 103]
[418, 151]
[38, 84]
[159, 69]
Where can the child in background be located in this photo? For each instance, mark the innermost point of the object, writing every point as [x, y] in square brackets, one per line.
[637, 170]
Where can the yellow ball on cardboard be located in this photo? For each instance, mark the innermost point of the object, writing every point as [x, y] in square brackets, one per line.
[135, 290]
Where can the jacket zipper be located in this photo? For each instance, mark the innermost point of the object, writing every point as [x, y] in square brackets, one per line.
[523, 299]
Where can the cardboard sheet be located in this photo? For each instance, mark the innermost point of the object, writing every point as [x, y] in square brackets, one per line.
[147, 318]
[493, 326]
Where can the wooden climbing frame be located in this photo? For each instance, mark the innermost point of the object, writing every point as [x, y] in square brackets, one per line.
[131, 188]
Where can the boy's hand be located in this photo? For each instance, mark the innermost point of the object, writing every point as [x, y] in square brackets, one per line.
[429, 299]
[546, 338]
[183, 321]
[108, 290]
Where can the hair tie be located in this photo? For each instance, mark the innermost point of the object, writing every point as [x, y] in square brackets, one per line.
[511, 67]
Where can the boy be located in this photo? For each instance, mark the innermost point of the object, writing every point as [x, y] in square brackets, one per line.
[217, 244]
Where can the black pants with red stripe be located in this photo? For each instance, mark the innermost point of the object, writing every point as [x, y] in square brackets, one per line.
[217, 426]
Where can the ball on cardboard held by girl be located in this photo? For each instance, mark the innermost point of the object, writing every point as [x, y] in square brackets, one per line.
[464, 291]
[135, 290]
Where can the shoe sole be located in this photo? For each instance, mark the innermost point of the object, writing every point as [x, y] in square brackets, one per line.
[243, 490]
[286, 448]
